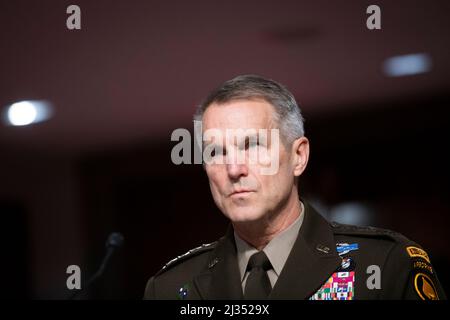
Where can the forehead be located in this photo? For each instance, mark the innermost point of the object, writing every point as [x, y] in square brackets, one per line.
[239, 114]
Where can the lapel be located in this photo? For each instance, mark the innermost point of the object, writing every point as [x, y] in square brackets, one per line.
[311, 262]
[220, 279]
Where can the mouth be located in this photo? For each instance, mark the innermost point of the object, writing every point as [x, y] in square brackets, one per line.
[241, 193]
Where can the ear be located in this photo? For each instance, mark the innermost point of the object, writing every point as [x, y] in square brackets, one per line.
[300, 155]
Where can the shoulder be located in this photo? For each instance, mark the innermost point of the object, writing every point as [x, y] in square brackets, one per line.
[390, 245]
[407, 271]
[379, 244]
[376, 239]
[180, 270]
[369, 232]
[194, 256]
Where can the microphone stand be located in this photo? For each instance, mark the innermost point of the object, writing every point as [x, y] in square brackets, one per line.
[114, 241]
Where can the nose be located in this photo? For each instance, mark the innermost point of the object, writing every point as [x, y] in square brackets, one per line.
[235, 171]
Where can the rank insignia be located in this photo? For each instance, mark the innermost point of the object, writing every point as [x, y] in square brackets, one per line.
[340, 286]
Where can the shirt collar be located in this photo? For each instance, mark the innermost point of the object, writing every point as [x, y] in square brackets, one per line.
[277, 250]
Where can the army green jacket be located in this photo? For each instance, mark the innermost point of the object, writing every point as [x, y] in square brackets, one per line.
[329, 261]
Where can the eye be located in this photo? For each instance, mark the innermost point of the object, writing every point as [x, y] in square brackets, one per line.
[221, 152]
[250, 143]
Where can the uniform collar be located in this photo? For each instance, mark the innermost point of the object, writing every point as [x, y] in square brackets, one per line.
[277, 250]
[312, 261]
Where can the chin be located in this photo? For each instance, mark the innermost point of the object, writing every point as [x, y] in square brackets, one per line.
[244, 214]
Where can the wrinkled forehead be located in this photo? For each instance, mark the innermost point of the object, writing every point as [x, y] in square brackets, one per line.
[239, 114]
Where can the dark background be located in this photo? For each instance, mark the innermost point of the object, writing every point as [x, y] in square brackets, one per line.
[135, 72]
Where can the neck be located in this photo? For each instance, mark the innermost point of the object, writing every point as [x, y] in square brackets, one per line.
[260, 232]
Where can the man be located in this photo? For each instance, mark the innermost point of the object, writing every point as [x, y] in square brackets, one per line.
[278, 246]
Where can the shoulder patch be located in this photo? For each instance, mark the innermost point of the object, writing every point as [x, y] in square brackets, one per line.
[425, 287]
[423, 279]
[191, 253]
[415, 252]
[422, 276]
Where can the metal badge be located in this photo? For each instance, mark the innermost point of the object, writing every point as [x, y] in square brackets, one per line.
[323, 249]
[347, 264]
[344, 248]
[213, 263]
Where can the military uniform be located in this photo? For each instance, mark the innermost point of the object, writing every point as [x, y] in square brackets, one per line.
[329, 261]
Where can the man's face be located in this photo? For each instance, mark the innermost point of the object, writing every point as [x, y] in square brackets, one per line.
[239, 188]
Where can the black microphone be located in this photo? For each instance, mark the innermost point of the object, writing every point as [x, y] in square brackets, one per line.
[114, 241]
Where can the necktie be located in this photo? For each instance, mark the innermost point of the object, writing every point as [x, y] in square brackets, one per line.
[258, 284]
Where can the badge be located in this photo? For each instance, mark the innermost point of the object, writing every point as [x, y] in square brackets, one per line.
[415, 252]
[347, 264]
[424, 287]
[344, 248]
[423, 265]
[213, 263]
[322, 248]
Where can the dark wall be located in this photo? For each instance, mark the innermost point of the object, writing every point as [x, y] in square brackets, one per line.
[163, 211]
[15, 250]
[40, 220]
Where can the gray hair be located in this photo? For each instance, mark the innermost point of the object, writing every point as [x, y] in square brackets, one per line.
[287, 113]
